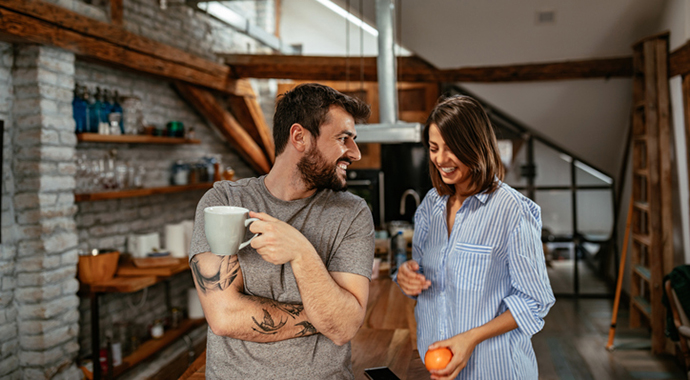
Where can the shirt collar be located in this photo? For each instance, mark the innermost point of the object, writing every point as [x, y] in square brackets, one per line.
[482, 196]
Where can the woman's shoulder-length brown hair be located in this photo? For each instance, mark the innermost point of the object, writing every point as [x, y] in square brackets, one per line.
[467, 131]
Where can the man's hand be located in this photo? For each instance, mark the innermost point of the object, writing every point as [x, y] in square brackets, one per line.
[411, 282]
[278, 242]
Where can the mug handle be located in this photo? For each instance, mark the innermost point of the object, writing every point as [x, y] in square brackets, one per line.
[246, 224]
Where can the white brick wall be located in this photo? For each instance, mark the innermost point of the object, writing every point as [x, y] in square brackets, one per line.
[43, 243]
[9, 339]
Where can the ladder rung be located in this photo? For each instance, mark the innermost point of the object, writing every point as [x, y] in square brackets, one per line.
[643, 305]
[643, 239]
[644, 272]
[641, 137]
[644, 206]
[642, 172]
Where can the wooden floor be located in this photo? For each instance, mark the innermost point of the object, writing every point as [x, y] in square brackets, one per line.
[561, 275]
[570, 347]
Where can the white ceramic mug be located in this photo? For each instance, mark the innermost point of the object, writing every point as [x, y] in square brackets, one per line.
[225, 227]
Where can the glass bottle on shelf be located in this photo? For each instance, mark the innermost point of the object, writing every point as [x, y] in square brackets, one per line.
[116, 110]
[79, 110]
[94, 110]
[106, 109]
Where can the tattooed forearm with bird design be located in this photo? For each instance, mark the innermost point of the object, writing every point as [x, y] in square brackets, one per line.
[269, 317]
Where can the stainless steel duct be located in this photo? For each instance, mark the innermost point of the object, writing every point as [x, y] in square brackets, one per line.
[385, 62]
[389, 130]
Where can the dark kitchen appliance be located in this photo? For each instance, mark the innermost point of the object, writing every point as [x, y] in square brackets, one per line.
[368, 184]
[406, 167]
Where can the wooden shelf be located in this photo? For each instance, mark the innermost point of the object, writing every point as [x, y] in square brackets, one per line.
[131, 270]
[87, 197]
[133, 279]
[152, 346]
[133, 139]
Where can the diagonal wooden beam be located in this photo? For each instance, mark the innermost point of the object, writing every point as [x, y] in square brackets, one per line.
[36, 21]
[207, 104]
[415, 69]
[248, 113]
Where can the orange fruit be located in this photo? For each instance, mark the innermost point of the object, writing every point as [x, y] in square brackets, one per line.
[437, 358]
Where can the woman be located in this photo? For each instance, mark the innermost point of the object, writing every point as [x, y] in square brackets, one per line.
[477, 267]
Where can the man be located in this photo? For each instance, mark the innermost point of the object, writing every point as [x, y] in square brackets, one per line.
[287, 306]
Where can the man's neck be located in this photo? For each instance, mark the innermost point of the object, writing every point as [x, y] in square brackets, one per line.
[284, 182]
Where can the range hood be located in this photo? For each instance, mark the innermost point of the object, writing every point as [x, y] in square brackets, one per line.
[390, 130]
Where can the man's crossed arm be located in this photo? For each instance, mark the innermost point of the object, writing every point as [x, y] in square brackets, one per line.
[230, 312]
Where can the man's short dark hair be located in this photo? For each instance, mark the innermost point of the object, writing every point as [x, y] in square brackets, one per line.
[307, 105]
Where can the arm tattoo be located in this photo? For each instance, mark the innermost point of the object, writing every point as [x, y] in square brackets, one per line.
[307, 328]
[227, 272]
[293, 310]
[268, 326]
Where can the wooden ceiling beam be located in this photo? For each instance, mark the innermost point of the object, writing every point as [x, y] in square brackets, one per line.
[679, 61]
[566, 70]
[36, 21]
[415, 69]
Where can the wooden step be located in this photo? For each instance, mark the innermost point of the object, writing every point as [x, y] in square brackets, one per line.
[644, 306]
[643, 272]
[643, 239]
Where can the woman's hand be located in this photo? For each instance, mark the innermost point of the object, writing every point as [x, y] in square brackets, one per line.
[411, 282]
[462, 346]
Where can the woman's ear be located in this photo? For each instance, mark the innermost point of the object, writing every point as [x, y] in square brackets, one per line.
[300, 138]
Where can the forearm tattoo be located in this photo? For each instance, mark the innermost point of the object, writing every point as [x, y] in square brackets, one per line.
[307, 328]
[292, 310]
[268, 324]
[227, 272]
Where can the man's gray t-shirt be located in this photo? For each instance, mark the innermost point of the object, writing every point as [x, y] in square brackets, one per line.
[340, 227]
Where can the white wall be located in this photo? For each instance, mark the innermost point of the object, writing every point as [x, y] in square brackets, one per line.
[321, 31]
[676, 19]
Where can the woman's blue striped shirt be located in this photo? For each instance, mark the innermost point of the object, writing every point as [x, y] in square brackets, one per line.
[492, 262]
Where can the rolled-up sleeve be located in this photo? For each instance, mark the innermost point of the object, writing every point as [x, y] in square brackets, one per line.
[531, 295]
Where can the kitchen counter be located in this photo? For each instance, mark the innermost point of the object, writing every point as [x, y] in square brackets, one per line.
[387, 338]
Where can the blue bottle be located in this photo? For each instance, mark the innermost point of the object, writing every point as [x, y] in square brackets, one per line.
[106, 107]
[94, 110]
[79, 110]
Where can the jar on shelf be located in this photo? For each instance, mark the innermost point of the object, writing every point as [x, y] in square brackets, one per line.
[157, 329]
[179, 174]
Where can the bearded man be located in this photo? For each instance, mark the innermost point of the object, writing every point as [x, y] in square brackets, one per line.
[287, 306]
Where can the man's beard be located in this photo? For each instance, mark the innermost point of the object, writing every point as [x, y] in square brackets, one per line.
[318, 174]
